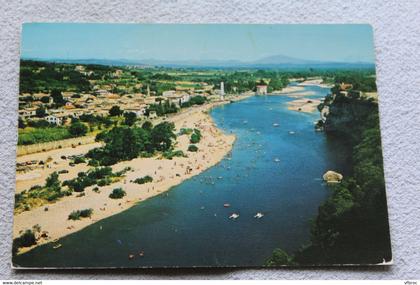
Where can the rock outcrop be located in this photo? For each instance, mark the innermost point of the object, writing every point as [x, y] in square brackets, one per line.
[332, 177]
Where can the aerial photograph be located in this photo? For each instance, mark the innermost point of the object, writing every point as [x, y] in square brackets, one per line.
[198, 145]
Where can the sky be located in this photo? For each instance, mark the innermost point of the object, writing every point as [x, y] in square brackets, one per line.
[333, 43]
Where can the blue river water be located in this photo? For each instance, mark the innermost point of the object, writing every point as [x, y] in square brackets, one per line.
[274, 170]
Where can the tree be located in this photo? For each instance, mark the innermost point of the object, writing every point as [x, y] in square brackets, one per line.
[40, 112]
[197, 100]
[78, 129]
[194, 138]
[147, 126]
[122, 143]
[352, 224]
[52, 182]
[57, 97]
[115, 111]
[279, 257]
[45, 99]
[130, 118]
[117, 193]
[162, 135]
[26, 239]
[21, 124]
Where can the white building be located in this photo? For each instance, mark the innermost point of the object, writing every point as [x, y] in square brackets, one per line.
[185, 98]
[139, 111]
[261, 89]
[54, 120]
[222, 90]
[179, 98]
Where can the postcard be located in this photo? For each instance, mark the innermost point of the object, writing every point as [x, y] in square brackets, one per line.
[198, 145]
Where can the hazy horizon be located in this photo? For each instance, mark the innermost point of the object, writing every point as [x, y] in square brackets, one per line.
[196, 42]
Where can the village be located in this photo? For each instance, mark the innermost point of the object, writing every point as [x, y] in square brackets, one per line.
[103, 97]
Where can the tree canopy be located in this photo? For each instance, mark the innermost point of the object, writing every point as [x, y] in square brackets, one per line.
[115, 111]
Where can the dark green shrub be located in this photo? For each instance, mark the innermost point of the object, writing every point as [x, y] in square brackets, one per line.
[78, 129]
[78, 160]
[143, 180]
[196, 136]
[192, 148]
[104, 182]
[117, 193]
[93, 162]
[27, 239]
[171, 154]
[185, 131]
[76, 215]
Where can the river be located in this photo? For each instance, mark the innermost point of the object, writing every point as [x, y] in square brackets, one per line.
[274, 170]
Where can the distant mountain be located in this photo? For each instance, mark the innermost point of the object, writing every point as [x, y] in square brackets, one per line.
[282, 59]
[271, 62]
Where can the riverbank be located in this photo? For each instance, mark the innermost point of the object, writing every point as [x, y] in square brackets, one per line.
[304, 105]
[258, 176]
[315, 82]
[214, 145]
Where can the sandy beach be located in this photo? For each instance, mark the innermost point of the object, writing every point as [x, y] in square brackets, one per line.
[288, 89]
[315, 82]
[301, 94]
[213, 146]
[305, 105]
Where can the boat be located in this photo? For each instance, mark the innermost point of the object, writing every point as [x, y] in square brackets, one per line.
[291, 132]
[277, 159]
[57, 246]
[275, 125]
[259, 215]
[226, 205]
[234, 216]
[130, 256]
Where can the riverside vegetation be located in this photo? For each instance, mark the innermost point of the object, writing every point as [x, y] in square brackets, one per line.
[121, 143]
[352, 224]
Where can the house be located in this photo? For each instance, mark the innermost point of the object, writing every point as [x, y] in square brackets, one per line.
[101, 93]
[261, 90]
[54, 120]
[79, 68]
[168, 93]
[112, 96]
[345, 86]
[179, 98]
[67, 94]
[37, 103]
[118, 73]
[140, 111]
[27, 112]
[69, 105]
[150, 100]
[185, 98]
